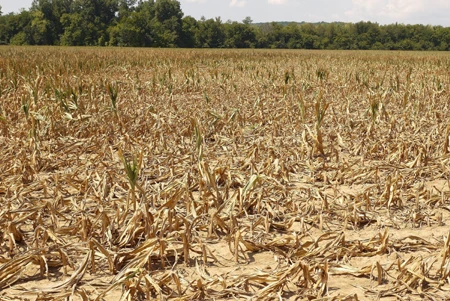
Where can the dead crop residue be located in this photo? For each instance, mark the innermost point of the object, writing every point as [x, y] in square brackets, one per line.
[141, 174]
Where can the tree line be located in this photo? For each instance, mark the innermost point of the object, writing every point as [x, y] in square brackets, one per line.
[161, 23]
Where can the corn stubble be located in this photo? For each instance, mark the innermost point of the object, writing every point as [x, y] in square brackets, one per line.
[136, 166]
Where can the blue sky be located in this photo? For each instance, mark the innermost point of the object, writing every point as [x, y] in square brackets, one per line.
[435, 12]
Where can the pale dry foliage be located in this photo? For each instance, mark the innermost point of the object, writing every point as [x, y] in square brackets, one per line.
[191, 175]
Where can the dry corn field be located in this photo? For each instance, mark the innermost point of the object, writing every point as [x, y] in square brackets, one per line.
[140, 174]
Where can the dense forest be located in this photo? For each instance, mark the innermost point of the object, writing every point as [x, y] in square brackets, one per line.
[161, 23]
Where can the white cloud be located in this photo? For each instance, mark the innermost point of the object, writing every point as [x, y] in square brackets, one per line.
[277, 2]
[196, 1]
[238, 3]
[396, 10]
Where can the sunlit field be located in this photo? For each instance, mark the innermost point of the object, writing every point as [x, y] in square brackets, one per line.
[148, 174]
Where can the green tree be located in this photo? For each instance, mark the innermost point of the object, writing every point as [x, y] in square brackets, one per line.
[293, 36]
[168, 23]
[189, 32]
[76, 30]
[139, 27]
[239, 35]
[441, 38]
[41, 33]
[310, 38]
[19, 30]
[275, 36]
[89, 21]
[345, 37]
[6, 29]
[211, 33]
[126, 7]
[160, 23]
[127, 33]
[50, 12]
